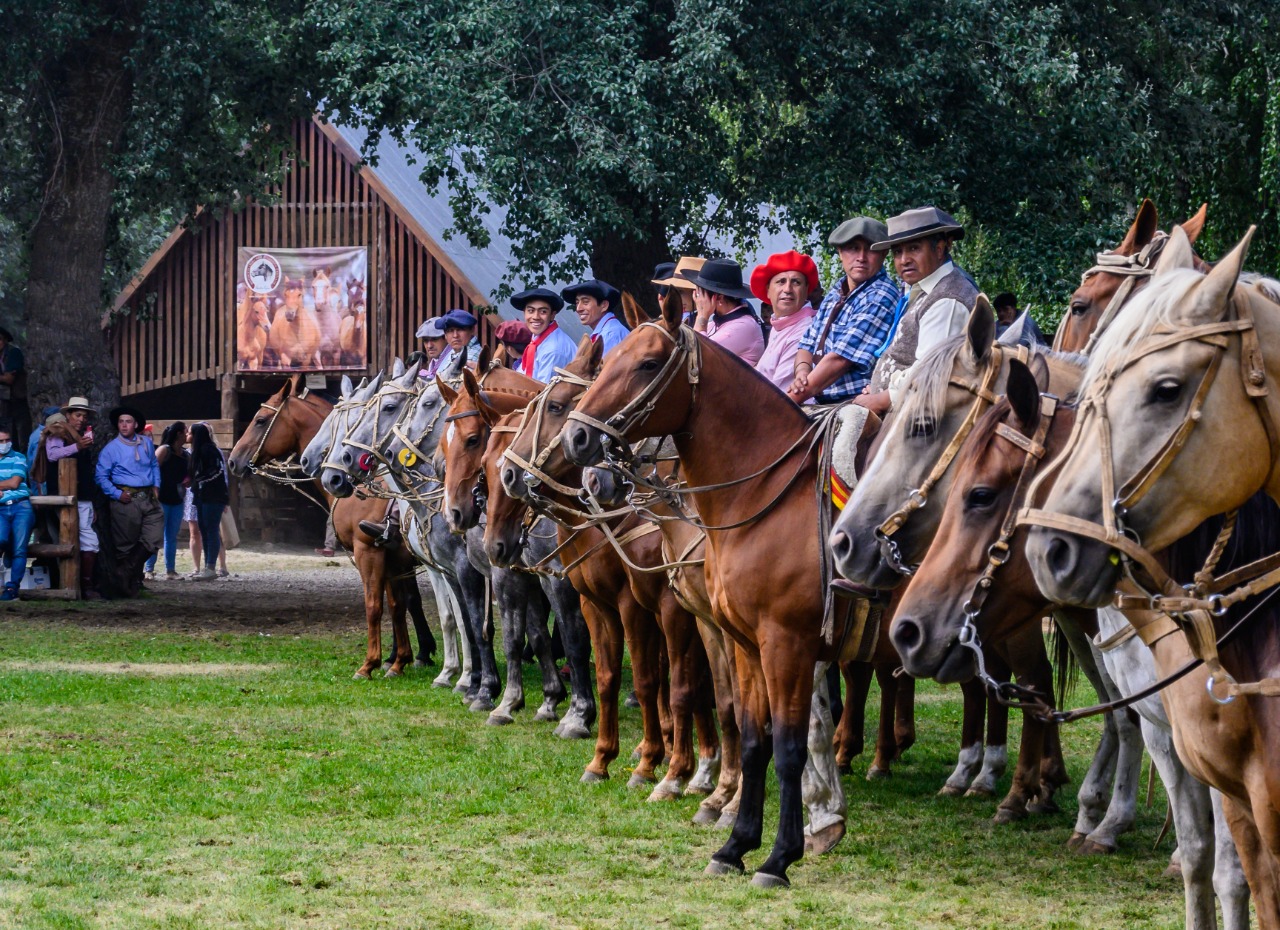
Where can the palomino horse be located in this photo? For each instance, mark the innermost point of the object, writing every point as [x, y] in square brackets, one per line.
[1180, 379]
[283, 427]
[251, 333]
[295, 334]
[765, 561]
[975, 585]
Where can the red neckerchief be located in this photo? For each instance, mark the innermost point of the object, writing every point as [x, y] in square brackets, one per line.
[531, 350]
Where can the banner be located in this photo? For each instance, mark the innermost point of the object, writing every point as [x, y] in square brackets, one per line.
[302, 309]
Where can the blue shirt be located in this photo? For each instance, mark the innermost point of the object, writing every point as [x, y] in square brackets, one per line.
[128, 464]
[33, 444]
[556, 351]
[14, 465]
[864, 319]
[446, 357]
[609, 331]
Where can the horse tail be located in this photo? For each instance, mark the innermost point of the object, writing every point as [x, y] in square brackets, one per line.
[1066, 668]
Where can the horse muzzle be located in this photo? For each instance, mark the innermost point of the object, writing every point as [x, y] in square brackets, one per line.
[580, 443]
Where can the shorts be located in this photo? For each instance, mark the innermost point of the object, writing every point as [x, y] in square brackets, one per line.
[88, 537]
[189, 508]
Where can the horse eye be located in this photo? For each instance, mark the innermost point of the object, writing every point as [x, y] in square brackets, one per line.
[1166, 391]
[921, 428]
[556, 409]
[979, 498]
[473, 440]
[1079, 307]
[649, 364]
[261, 421]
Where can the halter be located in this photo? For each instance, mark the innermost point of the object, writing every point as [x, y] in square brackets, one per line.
[374, 447]
[1141, 264]
[1194, 606]
[983, 398]
[533, 470]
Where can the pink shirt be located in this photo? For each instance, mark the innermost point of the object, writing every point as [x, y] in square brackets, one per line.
[739, 333]
[778, 362]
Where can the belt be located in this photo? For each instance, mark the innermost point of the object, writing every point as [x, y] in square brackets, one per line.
[143, 491]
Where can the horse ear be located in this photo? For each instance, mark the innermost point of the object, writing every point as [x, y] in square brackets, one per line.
[486, 356]
[469, 383]
[632, 311]
[1177, 253]
[595, 358]
[1143, 229]
[672, 309]
[411, 374]
[293, 386]
[1024, 395]
[500, 357]
[1214, 291]
[1195, 226]
[981, 331]
[346, 386]
[1014, 332]
[397, 368]
[448, 393]
[1039, 366]
[488, 414]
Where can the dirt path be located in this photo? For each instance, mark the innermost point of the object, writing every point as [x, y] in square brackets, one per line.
[272, 587]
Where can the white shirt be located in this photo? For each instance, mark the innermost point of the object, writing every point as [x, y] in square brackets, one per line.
[945, 319]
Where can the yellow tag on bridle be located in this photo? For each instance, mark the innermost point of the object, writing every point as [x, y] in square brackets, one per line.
[407, 458]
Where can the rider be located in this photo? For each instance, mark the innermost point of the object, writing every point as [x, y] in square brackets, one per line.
[723, 312]
[551, 347]
[460, 334]
[596, 303]
[784, 282]
[682, 283]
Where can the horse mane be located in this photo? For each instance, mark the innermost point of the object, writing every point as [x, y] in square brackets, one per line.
[754, 377]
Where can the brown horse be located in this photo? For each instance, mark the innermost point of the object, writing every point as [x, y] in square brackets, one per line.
[295, 333]
[284, 426]
[764, 557]
[251, 333]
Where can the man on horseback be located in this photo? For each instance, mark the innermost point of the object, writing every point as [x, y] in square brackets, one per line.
[936, 308]
[460, 334]
[551, 347]
[433, 345]
[837, 352]
[723, 312]
[595, 302]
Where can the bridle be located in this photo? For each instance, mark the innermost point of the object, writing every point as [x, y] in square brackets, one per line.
[534, 417]
[983, 399]
[1132, 268]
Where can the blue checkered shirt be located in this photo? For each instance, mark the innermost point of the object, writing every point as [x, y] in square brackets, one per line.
[863, 323]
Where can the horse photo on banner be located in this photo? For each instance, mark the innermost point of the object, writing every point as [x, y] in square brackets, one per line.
[301, 309]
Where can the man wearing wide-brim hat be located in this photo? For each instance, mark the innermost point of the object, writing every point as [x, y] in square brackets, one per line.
[129, 475]
[551, 347]
[723, 312]
[837, 352]
[597, 303]
[74, 438]
[936, 307]
[678, 279]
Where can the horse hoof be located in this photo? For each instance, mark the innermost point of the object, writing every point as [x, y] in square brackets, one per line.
[592, 778]
[481, 705]
[765, 880]
[638, 780]
[951, 791]
[392, 673]
[706, 817]
[701, 790]
[1040, 808]
[496, 719]
[979, 791]
[1091, 847]
[545, 716]
[360, 676]
[719, 867]
[1008, 815]
[825, 840]
[442, 683]
[1173, 871]
[572, 730]
[460, 688]
[1077, 838]
[875, 773]
[666, 791]
[727, 820]
[418, 663]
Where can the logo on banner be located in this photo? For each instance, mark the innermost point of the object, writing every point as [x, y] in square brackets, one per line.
[262, 273]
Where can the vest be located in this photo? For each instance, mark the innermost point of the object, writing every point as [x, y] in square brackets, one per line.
[901, 353]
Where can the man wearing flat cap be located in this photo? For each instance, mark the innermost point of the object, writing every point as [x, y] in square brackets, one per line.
[551, 347]
[838, 351]
[431, 333]
[596, 304]
[460, 337]
[937, 306]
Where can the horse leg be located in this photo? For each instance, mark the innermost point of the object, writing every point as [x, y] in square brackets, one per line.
[510, 595]
[995, 751]
[853, 716]
[1255, 860]
[605, 628]
[644, 642]
[886, 746]
[720, 658]
[688, 665]
[756, 751]
[1123, 807]
[426, 639]
[820, 787]
[974, 693]
[577, 652]
[537, 616]
[450, 632]
[372, 566]
[1228, 876]
[1028, 656]
[397, 601]
[472, 582]
[904, 716]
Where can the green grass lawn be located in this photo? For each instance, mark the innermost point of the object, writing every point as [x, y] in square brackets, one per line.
[262, 787]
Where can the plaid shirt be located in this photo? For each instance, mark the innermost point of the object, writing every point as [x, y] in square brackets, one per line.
[863, 322]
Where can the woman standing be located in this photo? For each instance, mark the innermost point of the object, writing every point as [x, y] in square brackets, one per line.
[211, 495]
[174, 459]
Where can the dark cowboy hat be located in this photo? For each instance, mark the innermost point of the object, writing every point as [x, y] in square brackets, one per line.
[918, 223]
[721, 276]
[538, 293]
[858, 227]
[115, 415]
[592, 287]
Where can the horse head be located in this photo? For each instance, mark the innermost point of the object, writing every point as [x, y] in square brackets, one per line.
[470, 420]
[504, 514]
[356, 458]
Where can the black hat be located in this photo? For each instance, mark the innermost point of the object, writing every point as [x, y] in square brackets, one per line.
[115, 415]
[721, 276]
[538, 293]
[663, 270]
[5, 334]
[592, 287]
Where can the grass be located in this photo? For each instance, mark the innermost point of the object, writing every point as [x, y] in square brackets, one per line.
[276, 792]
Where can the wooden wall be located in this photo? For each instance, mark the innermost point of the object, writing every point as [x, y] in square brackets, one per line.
[180, 325]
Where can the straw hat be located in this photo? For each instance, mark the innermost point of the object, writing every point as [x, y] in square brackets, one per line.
[689, 263]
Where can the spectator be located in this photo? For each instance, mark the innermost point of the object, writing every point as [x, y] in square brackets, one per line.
[838, 351]
[129, 475]
[681, 282]
[74, 437]
[515, 337]
[33, 443]
[661, 273]
[1006, 307]
[174, 471]
[784, 282]
[431, 333]
[723, 312]
[596, 303]
[550, 346]
[17, 517]
[13, 389]
[460, 334]
[211, 491]
[191, 516]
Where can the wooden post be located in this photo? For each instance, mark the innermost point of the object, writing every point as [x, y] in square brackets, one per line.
[230, 405]
[67, 547]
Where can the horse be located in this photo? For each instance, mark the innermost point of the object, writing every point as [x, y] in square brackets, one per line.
[976, 576]
[295, 334]
[351, 336]
[1181, 378]
[252, 332]
[664, 379]
[283, 426]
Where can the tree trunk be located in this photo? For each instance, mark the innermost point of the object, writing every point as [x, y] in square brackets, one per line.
[627, 263]
[67, 351]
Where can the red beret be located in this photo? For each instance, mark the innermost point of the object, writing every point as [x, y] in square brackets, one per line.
[513, 332]
[776, 265]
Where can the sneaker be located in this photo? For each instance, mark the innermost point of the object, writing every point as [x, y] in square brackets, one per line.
[10, 592]
[149, 576]
[205, 574]
[172, 576]
[326, 552]
[223, 573]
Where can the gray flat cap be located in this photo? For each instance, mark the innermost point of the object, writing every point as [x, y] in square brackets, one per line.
[864, 226]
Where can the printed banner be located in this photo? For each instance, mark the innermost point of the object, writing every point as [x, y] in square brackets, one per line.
[301, 309]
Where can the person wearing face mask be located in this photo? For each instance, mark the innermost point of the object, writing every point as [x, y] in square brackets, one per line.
[784, 282]
[129, 475]
[17, 517]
